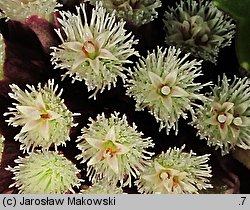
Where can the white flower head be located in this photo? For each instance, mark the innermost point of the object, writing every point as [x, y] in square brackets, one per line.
[138, 12]
[113, 149]
[225, 120]
[94, 50]
[175, 172]
[163, 83]
[2, 55]
[103, 187]
[44, 173]
[44, 118]
[198, 27]
[1, 147]
[21, 9]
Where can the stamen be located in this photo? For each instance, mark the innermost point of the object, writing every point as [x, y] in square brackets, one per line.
[222, 118]
[45, 116]
[164, 175]
[165, 90]
[109, 153]
[89, 49]
[237, 121]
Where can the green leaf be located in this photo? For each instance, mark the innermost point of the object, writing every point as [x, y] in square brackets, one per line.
[243, 43]
[239, 10]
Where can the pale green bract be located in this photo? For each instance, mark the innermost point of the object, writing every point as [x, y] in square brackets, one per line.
[44, 173]
[42, 114]
[113, 150]
[225, 121]
[95, 50]
[163, 83]
[198, 27]
[137, 12]
[175, 172]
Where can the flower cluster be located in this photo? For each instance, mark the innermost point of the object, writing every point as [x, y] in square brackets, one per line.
[113, 150]
[21, 9]
[175, 172]
[163, 82]
[95, 52]
[44, 118]
[137, 12]
[44, 173]
[1, 146]
[199, 28]
[2, 55]
[225, 120]
[102, 187]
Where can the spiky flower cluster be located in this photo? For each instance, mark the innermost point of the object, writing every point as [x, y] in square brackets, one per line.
[1, 146]
[113, 149]
[21, 9]
[175, 172]
[44, 173]
[44, 118]
[137, 12]
[225, 120]
[2, 55]
[163, 82]
[198, 27]
[95, 50]
[103, 187]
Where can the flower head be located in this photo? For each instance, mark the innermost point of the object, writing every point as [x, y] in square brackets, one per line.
[94, 52]
[113, 149]
[44, 173]
[175, 172]
[2, 55]
[138, 12]
[21, 9]
[198, 27]
[44, 118]
[1, 146]
[225, 120]
[103, 187]
[163, 82]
